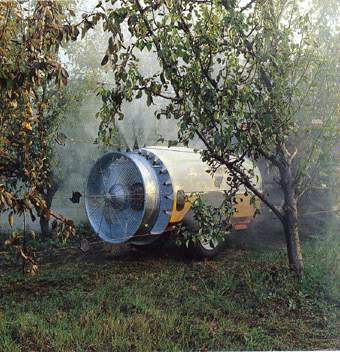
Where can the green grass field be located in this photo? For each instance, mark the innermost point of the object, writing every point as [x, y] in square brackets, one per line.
[142, 301]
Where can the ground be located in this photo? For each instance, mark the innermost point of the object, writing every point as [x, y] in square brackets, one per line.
[132, 300]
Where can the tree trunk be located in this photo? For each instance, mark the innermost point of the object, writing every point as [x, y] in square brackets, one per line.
[48, 195]
[290, 220]
[45, 225]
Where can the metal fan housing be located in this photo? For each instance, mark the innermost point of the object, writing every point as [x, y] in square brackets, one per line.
[122, 196]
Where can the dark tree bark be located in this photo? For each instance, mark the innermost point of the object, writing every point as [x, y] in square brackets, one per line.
[48, 193]
[290, 218]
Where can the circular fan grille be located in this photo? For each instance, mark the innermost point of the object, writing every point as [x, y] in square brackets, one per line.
[115, 198]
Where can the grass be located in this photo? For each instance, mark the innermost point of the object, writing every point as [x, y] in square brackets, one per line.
[136, 301]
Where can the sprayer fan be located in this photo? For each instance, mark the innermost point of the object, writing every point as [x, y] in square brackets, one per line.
[115, 198]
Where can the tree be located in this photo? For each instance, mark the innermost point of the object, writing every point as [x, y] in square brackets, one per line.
[234, 75]
[29, 42]
[320, 111]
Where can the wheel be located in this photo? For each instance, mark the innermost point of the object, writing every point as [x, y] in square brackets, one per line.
[207, 248]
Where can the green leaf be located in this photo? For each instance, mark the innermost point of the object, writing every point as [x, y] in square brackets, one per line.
[105, 60]
[111, 47]
[149, 99]
[132, 20]
[149, 46]
[172, 143]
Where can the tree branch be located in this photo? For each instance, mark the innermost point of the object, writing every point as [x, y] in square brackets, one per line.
[241, 175]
